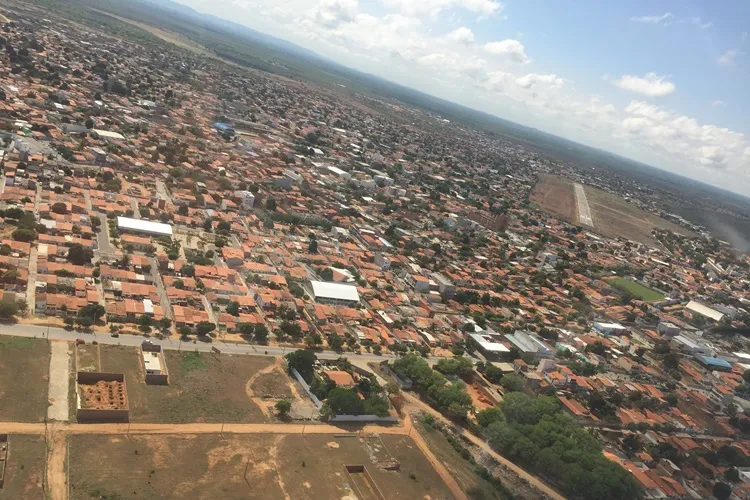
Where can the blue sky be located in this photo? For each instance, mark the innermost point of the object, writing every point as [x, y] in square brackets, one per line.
[666, 83]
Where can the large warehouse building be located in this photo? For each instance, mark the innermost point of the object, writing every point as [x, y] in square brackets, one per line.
[140, 226]
[334, 293]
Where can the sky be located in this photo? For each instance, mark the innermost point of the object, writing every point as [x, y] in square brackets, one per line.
[666, 83]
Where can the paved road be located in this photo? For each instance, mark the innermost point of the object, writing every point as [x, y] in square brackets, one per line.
[37, 331]
[584, 212]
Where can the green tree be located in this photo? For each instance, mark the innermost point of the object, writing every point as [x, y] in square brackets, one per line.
[282, 407]
[233, 308]
[313, 246]
[489, 416]
[79, 255]
[303, 361]
[204, 328]
[345, 402]
[512, 383]
[261, 333]
[335, 342]
[722, 491]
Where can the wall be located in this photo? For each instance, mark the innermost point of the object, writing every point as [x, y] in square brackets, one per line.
[306, 387]
[3, 457]
[94, 377]
[92, 415]
[363, 418]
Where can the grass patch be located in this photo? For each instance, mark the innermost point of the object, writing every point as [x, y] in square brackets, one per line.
[16, 342]
[636, 290]
[191, 361]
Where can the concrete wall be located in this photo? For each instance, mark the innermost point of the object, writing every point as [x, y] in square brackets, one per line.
[363, 418]
[94, 377]
[306, 387]
[3, 457]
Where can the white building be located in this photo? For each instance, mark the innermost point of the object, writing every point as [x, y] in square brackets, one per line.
[334, 293]
[247, 199]
[704, 310]
[140, 226]
[528, 344]
[382, 261]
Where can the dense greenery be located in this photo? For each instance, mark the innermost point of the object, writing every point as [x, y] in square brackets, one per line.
[304, 362]
[536, 433]
[450, 398]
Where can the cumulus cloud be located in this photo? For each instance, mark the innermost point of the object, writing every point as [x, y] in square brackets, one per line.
[651, 84]
[513, 50]
[729, 58]
[461, 35]
[434, 7]
[530, 80]
[664, 19]
[683, 137]
[499, 78]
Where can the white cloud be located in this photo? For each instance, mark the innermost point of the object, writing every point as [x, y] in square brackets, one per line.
[409, 50]
[651, 84]
[718, 102]
[512, 50]
[665, 19]
[531, 80]
[418, 8]
[729, 57]
[461, 35]
[332, 12]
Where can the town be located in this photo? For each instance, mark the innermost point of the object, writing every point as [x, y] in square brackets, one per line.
[339, 261]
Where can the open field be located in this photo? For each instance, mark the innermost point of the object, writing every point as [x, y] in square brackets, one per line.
[555, 195]
[87, 358]
[25, 468]
[208, 466]
[202, 387]
[612, 215]
[23, 400]
[615, 217]
[636, 290]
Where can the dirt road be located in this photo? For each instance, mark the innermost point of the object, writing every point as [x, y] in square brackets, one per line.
[531, 479]
[57, 479]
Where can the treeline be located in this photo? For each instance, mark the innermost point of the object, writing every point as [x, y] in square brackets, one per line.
[450, 398]
[535, 433]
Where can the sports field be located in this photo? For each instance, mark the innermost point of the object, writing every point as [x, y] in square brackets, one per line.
[636, 290]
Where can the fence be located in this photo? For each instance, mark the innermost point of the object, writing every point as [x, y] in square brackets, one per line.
[306, 387]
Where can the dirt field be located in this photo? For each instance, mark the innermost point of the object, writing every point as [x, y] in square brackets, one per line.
[23, 474]
[555, 195]
[23, 400]
[210, 467]
[613, 217]
[87, 358]
[203, 387]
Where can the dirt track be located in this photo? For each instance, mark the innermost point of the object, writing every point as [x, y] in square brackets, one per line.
[531, 479]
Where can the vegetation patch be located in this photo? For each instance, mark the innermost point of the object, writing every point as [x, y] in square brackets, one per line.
[636, 290]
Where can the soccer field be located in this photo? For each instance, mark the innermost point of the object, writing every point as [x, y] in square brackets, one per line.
[636, 290]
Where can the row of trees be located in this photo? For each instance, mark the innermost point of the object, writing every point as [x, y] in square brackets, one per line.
[534, 432]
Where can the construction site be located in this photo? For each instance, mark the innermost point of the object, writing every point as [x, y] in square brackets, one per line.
[102, 397]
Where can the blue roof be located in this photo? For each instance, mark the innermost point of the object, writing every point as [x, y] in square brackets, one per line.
[718, 362]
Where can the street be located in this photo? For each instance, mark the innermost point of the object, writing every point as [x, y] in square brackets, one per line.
[37, 331]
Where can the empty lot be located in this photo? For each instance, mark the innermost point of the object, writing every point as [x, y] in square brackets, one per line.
[242, 467]
[23, 400]
[25, 468]
[203, 387]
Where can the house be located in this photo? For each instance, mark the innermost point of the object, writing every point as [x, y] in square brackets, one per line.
[340, 378]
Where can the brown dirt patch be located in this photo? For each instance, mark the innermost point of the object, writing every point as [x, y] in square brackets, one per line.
[555, 195]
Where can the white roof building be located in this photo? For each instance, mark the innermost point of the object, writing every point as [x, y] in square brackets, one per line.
[704, 310]
[143, 226]
[334, 293]
[489, 343]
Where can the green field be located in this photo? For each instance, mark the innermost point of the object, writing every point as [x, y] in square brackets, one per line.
[638, 291]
